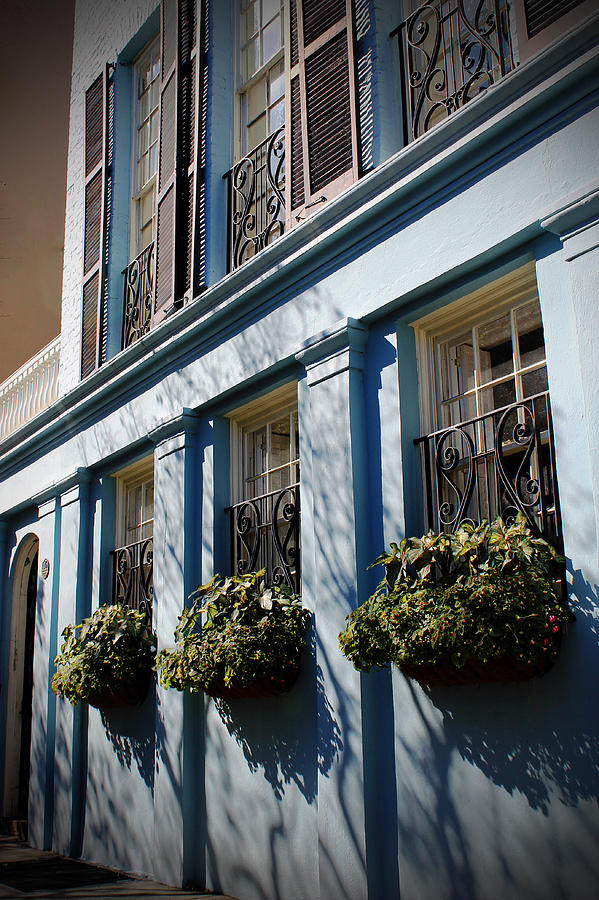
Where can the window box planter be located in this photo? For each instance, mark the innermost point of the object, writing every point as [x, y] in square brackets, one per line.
[502, 669]
[128, 693]
[240, 638]
[261, 687]
[479, 605]
[106, 660]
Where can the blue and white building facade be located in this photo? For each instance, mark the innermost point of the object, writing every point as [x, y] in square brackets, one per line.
[311, 247]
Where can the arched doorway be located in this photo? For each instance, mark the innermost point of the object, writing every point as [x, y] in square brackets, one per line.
[20, 682]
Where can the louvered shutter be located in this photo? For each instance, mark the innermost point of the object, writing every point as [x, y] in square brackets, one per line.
[180, 206]
[321, 119]
[97, 200]
[538, 22]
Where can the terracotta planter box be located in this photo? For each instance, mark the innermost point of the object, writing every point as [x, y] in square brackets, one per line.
[501, 669]
[262, 687]
[131, 693]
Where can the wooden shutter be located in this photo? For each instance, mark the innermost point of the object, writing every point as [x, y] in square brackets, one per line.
[97, 201]
[180, 207]
[321, 106]
[539, 22]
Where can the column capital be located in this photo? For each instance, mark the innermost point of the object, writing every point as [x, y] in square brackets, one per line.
[576, 222]
[173, 432]
[334, 350]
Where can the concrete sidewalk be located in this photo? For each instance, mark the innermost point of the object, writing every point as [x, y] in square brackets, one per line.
[25, 872]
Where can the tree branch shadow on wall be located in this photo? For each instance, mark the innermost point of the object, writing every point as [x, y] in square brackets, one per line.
[551, 752]
[275, 740]
[130, 732]
[534, 739]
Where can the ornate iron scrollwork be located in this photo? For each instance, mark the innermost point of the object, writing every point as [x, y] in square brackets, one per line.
[266, 534]
[448, 461]
[139, 291]
[257, 199]
[133, 576]
[449, 54]
[501, 463]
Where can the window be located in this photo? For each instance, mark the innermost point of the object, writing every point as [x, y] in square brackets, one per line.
[133, 558]
[146, 87]
[261, 94]
[265, 511]
[296, 135]
[485, 406]
[139, 274]
[451, 51]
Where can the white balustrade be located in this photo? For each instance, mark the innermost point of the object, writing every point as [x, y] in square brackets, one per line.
[29, 390]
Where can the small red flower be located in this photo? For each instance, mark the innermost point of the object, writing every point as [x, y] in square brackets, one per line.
[552, 618]
[545, 642]
[555, 629]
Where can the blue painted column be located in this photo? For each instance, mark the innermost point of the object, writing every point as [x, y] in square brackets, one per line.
[175, 575]
[333, 505]
[568, 291]
[41, 779]
[74, 604]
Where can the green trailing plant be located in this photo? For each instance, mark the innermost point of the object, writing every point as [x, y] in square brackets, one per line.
[105, 656]
[485, 593]
[237, 632]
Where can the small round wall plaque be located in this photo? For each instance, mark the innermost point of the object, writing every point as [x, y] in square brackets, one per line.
[45, 568]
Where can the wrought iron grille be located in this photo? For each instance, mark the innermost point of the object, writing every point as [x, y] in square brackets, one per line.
[500, 463]
[133, 576]
[139, 291]
[450, 51]
[265, 534]
[257, 199]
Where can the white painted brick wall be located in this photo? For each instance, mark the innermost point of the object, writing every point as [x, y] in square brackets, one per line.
[102, 29]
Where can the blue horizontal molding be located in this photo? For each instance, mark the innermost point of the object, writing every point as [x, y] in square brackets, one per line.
[524, 105]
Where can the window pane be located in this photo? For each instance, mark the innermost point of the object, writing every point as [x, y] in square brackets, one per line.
[256, 99]
[495, 347]
[257, 132]
[530, 335]
[534, 382]
[271, 39]
[147, 207]
[276, 78]
[458, 411]
[501, 395]
[277, 117]
[154, 95]
[154, 128]
[153, 161]
[457, 367]
[270, 8]
[250, 59]
[144, 106]
[250, 21]
[143, 140]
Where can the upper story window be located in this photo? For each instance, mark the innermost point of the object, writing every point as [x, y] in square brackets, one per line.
[261, 94]
[134, 538]
[139, 274]
[146, 87]
[485, 406]
[265, 511]
[450, 51]
[296, 132]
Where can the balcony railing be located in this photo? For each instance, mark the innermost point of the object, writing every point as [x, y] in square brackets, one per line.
[133, 576]
[265, 534]
[139, 292]
[450, 51]
[257, 199]
[500, 463]
[31, 389]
